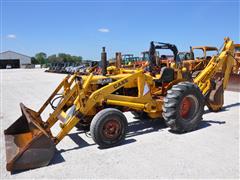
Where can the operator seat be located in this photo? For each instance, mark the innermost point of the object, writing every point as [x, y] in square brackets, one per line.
[167, 76]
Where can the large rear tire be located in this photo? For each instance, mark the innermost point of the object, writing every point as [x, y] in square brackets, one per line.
[108, 127]
[183, 107]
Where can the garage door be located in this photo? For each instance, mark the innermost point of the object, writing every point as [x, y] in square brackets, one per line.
[14, 63]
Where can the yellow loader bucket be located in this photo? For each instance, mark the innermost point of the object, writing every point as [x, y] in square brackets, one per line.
[28, 144]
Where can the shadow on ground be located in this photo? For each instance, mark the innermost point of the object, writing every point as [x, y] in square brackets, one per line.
[58, 158]
[207, 123]
[139, 127]
[136, 128]
[81, 143]
[144, 126]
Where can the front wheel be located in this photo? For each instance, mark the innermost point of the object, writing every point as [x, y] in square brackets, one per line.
[108, 127]
[183, 107]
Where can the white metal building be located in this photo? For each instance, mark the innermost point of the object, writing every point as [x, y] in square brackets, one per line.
[13, 60]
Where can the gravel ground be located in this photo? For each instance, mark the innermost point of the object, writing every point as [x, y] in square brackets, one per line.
[150, 150]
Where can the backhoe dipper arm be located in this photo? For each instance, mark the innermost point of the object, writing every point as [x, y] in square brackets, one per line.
[222, 61]
[160, 45]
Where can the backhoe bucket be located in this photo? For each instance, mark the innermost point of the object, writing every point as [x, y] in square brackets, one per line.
[28, 144]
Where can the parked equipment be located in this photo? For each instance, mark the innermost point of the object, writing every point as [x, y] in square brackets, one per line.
[99, 100]
[234, 81]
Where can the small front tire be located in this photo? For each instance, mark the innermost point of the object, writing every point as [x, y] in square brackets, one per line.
[108, 127]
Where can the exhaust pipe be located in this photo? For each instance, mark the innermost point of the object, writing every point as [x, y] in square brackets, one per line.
[152, 58]
[118, 60]
[104, 61]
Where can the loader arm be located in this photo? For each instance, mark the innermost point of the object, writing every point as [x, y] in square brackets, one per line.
[101, 94]
[97, 98]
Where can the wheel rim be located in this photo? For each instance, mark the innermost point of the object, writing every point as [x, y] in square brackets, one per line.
[112, 129]
[188, 107]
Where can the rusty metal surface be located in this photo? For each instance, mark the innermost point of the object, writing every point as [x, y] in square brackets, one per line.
[27, 145]
[118, 60]
[104, 61]
[216, 95]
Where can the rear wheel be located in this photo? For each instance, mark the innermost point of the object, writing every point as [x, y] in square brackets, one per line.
[183, 107]
[108, 127]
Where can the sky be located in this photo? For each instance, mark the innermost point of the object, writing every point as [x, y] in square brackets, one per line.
[82, 27]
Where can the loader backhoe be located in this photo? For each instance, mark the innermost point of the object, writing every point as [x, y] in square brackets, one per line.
[99, 100]
[186, 59]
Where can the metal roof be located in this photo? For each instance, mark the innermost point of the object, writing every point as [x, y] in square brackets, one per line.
[2, 53]
[207, 48]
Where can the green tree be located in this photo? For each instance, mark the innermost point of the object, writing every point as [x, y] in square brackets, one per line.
[63, 57]
[41, 57]
[53, 59]
[77, 59]
[34, 60]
